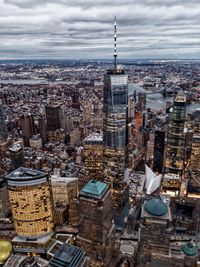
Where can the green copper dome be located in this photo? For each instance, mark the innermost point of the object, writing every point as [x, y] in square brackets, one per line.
[155, 207]
[94, 189]
[189, 249]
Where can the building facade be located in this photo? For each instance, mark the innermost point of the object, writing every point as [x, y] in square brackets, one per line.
[195, 155]
[175, 153]
[93, 155]
[3, 128]
[31, 203]
[115, 132]
[96, 229]
[4, 200]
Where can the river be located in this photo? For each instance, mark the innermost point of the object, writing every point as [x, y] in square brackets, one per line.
[157, 101]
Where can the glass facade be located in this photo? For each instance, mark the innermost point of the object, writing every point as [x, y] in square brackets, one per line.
[175, 153]
[115, 130]
[195, 156]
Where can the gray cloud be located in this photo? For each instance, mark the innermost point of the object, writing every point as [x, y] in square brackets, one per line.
[83, 28]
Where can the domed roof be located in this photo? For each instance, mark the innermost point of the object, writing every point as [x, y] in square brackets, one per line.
[189, 249]
[155, 207]
[5, 250]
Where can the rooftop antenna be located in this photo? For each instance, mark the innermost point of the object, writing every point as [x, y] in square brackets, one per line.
[115, 42]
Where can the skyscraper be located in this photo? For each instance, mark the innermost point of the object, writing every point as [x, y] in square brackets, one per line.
[93, 155]
[27, 124]
[96, 228]
[31, 202]
[195, 156]
[159, 148]
[53, 117]
[115, 129]
[175, 153]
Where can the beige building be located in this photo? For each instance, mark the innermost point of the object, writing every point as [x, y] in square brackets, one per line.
[30, 197]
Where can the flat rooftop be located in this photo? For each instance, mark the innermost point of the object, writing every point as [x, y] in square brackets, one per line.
[25, 174]
[93, 137]
[180, 98]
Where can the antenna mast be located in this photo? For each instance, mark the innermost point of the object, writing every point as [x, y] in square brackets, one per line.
[115, 42]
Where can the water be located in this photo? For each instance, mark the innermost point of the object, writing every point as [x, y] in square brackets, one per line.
[157, 101]
[18, 82]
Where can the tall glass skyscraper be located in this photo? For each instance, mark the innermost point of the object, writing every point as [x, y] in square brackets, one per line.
[175, 153]
[115, 130]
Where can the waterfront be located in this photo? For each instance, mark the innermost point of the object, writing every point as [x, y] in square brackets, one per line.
[157, 101]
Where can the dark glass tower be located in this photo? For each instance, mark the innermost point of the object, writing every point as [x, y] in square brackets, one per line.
[175, 153]
[115, 129]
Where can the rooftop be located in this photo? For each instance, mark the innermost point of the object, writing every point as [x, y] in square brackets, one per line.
[156, 207]
[94, 137]
[189, 249]
[180, 98]
[94, 189]
[25, 174]
[67, 256]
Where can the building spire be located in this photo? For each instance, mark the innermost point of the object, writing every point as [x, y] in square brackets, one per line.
[115, 42]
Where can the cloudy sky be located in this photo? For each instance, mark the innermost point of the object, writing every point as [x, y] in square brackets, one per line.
[83, 28]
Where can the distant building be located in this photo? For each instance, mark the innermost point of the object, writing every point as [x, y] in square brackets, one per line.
[27, 124]
[96, 229]
[31, 202]
[3, 128]
[53, 117]
[141, 105]
[42, 129]
[4, 200]
[16, 153]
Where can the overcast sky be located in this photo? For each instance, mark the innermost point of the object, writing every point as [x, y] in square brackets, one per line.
[84, 28]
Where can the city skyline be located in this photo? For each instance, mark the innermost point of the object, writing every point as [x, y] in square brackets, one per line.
[83, 29]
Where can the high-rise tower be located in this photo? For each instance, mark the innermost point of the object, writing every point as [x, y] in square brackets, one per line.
[195, 156]
[115, 129]
[175, 153]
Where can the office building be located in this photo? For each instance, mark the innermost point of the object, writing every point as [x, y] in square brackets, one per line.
[155, 228]
[28, 129]
[159, 149]
[31, 202]
[141, 105]
[3, 127]
[96, 229]
[53, 117]
[42, 129]
[115, 130]
[64, 189]
[16, 153]
[195, 156]
[93, 155]
[4, 200]
[175, 154]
